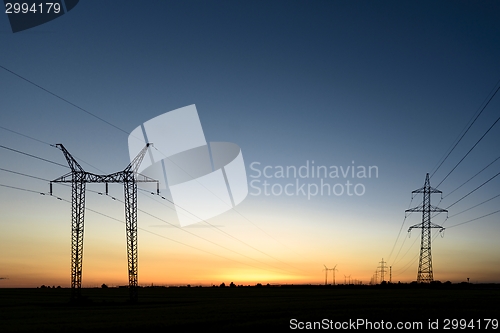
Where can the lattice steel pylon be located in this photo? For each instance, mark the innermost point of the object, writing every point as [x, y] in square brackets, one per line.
[78, 178]
[382, 270]
[425, 274]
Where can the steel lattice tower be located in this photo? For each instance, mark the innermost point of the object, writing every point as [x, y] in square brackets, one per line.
[78, 177]
[382, 271]
[425, 274]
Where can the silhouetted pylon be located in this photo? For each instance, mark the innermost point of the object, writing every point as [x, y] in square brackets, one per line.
[425, 274]
[78, 179]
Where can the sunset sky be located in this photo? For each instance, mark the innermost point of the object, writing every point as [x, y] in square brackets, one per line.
[390, 85]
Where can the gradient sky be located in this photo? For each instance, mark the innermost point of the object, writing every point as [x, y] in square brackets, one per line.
[390, 84]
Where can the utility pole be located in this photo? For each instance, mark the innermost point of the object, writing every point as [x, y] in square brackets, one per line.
[425, 274]
[390, 274]
[78, 178]
[382, 271]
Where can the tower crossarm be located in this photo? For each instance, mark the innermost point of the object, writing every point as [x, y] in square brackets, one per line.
[432, 209]
[421, 226]
[415, 209]
[117, 177]
[67, 178]
[140, 178]
[428, 190]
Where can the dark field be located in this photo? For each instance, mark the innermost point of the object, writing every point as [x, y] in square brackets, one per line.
[238, 309]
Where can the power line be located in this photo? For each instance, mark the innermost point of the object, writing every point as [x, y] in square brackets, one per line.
[63, 99]
[30, 155]
[473, 191]
[479, 204]
[472, 177]
[46, 143]
[22, 189]
[399, 233]
[475, 205]
[200, 237]
[192, 235]
[408, 265]
[409, 248]
[232, 208]
[26, 136]
[472, 220]
[481, 138]
[23, 174]
[477, 218]
[225, 248]
[470, 180]
[227, 234]
[460, 139]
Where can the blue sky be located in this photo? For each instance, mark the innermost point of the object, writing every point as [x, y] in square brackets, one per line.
[389, 84]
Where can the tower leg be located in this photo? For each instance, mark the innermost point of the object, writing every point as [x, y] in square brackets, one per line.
[77, 219]
[130, 188]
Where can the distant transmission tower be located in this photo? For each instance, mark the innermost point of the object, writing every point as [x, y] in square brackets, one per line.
[425, 274]
[382, 270]
[78, 178]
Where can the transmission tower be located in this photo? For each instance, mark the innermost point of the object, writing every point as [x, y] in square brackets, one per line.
[382, 270]
[78, 179]
[425, 274]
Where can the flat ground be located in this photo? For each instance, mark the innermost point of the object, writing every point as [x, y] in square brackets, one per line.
[250, 308]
